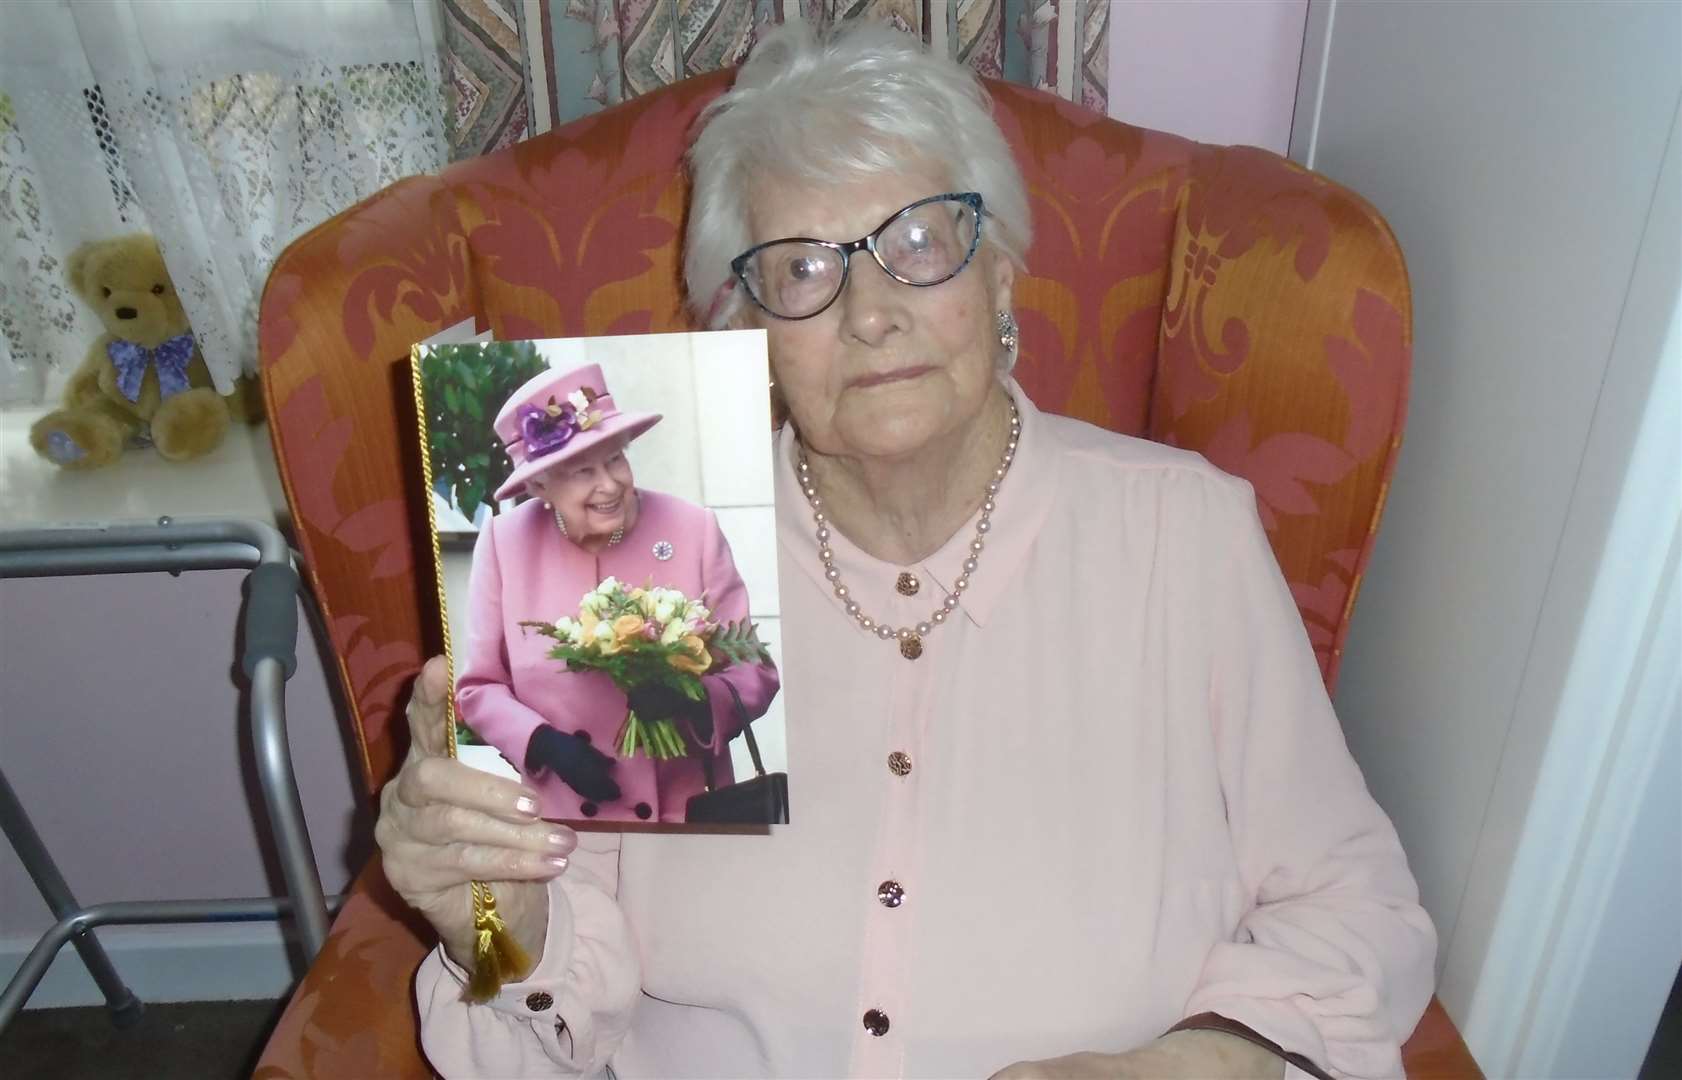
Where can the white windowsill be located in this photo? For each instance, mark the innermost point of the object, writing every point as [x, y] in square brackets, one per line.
[237, 480]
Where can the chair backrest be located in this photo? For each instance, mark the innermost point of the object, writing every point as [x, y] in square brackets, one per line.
[1215, 298]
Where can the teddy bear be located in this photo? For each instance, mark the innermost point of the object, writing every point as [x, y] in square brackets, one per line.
[144, 381]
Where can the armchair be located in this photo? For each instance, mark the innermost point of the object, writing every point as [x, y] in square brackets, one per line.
[1210, 297]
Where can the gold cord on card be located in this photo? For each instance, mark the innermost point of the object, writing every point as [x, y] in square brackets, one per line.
[497, 957]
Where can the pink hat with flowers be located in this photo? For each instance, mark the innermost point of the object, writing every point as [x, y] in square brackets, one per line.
[557, 416]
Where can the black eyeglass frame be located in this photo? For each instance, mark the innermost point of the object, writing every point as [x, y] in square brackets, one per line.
[867, 242]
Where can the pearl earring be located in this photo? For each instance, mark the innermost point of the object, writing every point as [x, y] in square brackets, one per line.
[1007, 331]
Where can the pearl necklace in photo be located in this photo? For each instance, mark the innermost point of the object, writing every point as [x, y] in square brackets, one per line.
[910, 638]
[618, 534]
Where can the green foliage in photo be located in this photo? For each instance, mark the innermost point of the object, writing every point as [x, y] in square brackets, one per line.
[465, 385]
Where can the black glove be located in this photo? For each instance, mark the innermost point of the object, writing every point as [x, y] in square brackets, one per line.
[580, 765]
[657, 701]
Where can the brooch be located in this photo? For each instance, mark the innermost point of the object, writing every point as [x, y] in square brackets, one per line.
[663, 550]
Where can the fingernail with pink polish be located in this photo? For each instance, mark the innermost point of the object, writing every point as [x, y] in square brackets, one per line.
[526, 805]
[559, 862]
[556, 839]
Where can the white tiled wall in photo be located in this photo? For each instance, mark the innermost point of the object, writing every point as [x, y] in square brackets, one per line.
[752, 534]
[458, 564]
[769, 730]
[732, 381]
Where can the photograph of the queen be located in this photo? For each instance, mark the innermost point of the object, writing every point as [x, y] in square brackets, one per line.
[608, 652]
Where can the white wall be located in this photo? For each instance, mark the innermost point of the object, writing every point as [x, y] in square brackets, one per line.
[1516, 149]
[1571, 972]
[1218, 71]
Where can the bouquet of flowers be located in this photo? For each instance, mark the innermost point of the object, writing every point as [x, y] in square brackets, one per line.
[638, 636]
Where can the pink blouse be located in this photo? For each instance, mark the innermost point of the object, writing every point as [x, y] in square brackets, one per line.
[1128, 801]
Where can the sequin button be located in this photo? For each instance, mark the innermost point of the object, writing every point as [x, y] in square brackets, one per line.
[876, 1022]
[908, 584]
[899, 763]
[891, 894]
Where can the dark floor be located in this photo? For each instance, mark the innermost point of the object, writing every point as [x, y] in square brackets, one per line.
[194, 1040]
[1664, 1056]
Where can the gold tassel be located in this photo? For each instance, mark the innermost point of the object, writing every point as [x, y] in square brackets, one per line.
[497, 957]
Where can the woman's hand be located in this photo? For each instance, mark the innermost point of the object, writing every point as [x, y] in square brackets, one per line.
[1183, 1055]
[444, 824]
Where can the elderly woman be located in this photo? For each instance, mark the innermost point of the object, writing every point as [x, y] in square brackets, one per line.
[1073, 802]
[586, 522]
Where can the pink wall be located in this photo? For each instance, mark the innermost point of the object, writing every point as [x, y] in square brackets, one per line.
[1218, 71]
[122, 733]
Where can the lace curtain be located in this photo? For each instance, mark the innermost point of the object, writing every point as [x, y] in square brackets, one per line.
[225, 129]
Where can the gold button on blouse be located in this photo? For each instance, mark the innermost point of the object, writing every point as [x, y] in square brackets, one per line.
[899, 763]
[908, 584]
[876, 1022]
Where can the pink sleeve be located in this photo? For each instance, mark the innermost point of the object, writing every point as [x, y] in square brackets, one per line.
[1334, 958]
[757, 684]
[484, 685]
[569, 1016]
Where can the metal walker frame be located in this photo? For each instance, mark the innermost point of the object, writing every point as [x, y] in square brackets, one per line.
[269, 657]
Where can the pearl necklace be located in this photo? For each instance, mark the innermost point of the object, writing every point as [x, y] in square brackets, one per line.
[910, 638]
[618, 534]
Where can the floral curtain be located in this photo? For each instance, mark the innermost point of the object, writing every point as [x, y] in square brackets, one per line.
[520, 67]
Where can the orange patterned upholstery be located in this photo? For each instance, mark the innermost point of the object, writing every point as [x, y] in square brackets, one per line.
[1209, 297]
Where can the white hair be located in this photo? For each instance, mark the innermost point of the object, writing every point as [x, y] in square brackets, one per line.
[860, 100]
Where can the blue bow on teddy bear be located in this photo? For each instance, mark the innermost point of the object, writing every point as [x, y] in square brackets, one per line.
[131, 360]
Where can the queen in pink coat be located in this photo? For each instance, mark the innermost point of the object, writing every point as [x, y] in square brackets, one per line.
[587, 521]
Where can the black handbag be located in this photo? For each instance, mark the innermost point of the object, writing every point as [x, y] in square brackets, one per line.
[760, 801]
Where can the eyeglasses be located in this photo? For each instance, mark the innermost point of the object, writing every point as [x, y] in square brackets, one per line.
[926, 243]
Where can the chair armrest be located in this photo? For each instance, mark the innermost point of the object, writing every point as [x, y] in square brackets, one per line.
[341, 310]
[354, 1012]
[1435, 1050]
